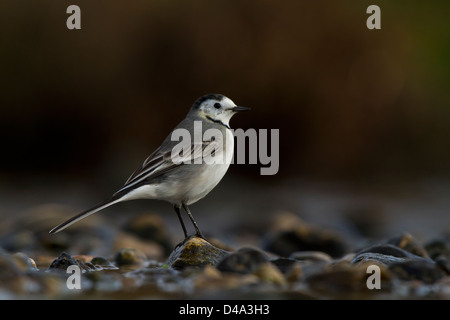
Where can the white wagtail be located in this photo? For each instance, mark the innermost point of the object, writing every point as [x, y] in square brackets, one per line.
[180, 182]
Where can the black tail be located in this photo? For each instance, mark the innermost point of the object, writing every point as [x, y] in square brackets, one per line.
[86, 213]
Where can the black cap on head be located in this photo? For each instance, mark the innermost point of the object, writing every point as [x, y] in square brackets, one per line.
[202, 99]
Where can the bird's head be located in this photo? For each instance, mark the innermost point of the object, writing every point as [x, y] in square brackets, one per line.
[216, 107]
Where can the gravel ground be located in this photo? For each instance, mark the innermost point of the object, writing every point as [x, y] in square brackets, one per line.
[299, 240]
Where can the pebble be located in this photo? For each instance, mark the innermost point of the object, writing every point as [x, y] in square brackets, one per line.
[19, 275]
[311, 256]
[64, 260]
[150, 226]
[23, 262]
[244, 261]
[444, 263]
[438, 248]
[304, 260]
[345, 281]
[403, 264]
[156, 276]
[284, 264]
[337, 281]
[439, 251]
[152, 250]
[212, 280]
[102, 262]
[304, 237]
[407, 242]
[83, 258]
[377, 257]
[424, 270]
[9, 268]
[269, 273]
[294, 274]
[385, 253]
[129, 256]
[195, 252]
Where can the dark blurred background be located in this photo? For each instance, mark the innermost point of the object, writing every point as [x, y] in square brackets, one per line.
[85, 107]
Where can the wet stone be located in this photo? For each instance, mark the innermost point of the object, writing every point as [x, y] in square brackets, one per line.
[295, 273]
[306, 264]
[195, 252]
[438, 248]
[9, 268]
[82, 257]
[129, 256]
[285, 265]
[304, 237]
[311, 256]
[24, 262]
[269, 273]
[377, 257]
[65, 260]
[343, 281]
[423, 270]
[407, 242]
[151, 249]
[212, 280]
[244, 261]
[403, 264]
[385, 253]
[103, 263]
[444, 263]
[158, 275]
[149, 226]
[17, 274]
[439, 251]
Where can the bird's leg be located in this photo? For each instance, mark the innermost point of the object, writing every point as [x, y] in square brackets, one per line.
[177, 210]
[197, 230]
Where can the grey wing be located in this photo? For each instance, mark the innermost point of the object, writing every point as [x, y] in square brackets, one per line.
[156, 164]
[153, 162]
[164, 161]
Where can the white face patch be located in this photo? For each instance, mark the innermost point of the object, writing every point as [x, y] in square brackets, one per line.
[219, 110]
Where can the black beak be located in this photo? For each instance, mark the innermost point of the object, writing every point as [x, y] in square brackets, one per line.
[239, 108]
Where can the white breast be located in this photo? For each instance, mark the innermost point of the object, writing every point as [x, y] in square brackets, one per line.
[211, 175]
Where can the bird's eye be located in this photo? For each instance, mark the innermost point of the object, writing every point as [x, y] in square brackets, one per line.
[217, 105]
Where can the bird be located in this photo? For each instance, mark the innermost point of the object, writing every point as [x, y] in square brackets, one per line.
[176, 171]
